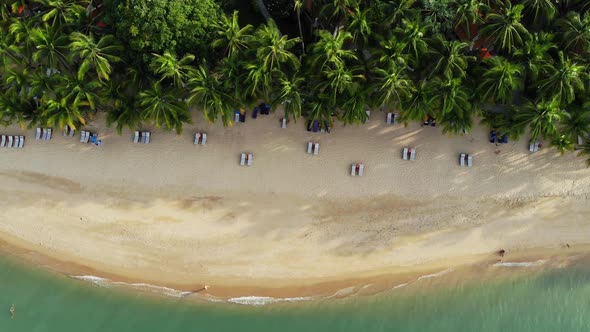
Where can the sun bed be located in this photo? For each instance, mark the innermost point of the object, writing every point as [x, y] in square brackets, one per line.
[136, 137]
[405, 154]
[9, 141]
[197, 138]
[72, 132]
[389, 118]
[316, 148]
[82, 136]
[316, 126]
[48, 134]
[353, 170]
[250, 159]
[87, 137]
[462, 159]
[16, 142]
[243, 159]
[142, 137]
[413, 154]
[21, 143]
[38, 135]
[204, 139]
[255, 112]
[534, 146]
[147, 137]
[469, 160]
[94, 138]
[3, 144]
[236, 116]
[309, 147]
[361, 169]
[284, 124]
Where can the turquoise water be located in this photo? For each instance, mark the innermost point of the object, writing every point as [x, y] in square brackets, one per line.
[553, 300]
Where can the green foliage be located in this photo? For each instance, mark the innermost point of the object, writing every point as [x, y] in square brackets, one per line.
[155, 26]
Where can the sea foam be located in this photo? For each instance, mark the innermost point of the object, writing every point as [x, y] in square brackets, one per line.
[521, 264]
[107, 283]
[264, 300]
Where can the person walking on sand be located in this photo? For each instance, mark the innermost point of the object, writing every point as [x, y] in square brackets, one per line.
[11, 311]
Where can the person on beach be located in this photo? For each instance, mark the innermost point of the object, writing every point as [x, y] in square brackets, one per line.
[11, 311]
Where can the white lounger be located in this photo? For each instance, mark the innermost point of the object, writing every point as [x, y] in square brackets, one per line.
[316, 149]
[21, 143]
[237, 117]
[284, 124]
[82, 136]
[197, 138]
[204, 139]
[243, 159]
[136, 137]
[38, 135]
[16, 141]
[405, 154]
[413, 154]
[469, 160]
[250, 158]
[147, 137]
[309, 147]
[361, 169]
[48, 134]
[9, 141]
[462, 159]
[389, 118]
[353, 170]
[534, 146]
[72, 131]
[87, 137]
[3, 144]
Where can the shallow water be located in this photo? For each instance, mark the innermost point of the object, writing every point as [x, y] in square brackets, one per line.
[556, 299]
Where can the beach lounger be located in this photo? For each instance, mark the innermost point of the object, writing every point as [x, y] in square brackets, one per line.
[316, 126]
[469, 160]
[86, 137]
[3, 144]
[16, 141]
[413, 154]
[38, 135]
[243, 159]
[316, 149]
[82, 136]
[389, 118]
[243, 117]
[284, 124]
[9, 141]
[309, 147]
[405, 154]
[136, 137]
[142, 137]
[147, 137]
[361, 169]
[21, 143]
[255, 112]
[327, 126]
[309, 123]
[493, 136]
[197, 138]
[462, 159]
[236, 116]
[395, 118]
[266, 109]
[204, 139]
[94, 138]
[250, 159]
[66, 130]
[48, 133]
[71, 131]
[353, 170]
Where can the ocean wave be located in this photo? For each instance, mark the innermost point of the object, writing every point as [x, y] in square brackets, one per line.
[521, 264]
[107, 283]
[434, 275]
[264, 300]
[401, 285]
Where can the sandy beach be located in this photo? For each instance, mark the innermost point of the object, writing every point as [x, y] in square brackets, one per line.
[173, 213]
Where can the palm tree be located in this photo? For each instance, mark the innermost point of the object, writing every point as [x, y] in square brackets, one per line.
[61, 113]
[420, 103]
[578, 123]
[339, 8]
[80, 93]
[13, 109]
[290, 94]
[61, 12]
[17, 81]
[355, 106]
[231, 36]
[540, 12]
[122, 110]
[98, 56]
[469, 12]
[542, 117]
[50, 47]
[535, 54]
[169, 67]
[329, 50]
[297, 5]
[413, 34]
[448, 58]
[21, 31]
[563, 81]
[360, 25]
[161, 105]
[273, 50]
[500, 79]
[339, 81]
[392, 85]
[505, 27]
[208, 93]
[452, 98]
[575, 32]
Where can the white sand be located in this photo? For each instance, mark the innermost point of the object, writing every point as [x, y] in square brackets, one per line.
[174, 213]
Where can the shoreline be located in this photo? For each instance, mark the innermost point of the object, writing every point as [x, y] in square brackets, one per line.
[291, 224]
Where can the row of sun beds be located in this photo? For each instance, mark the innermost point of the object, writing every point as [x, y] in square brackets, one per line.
[143, 137]
[43, 134]
[16, 142]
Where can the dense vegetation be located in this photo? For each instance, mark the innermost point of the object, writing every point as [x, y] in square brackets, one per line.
[517, 65]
